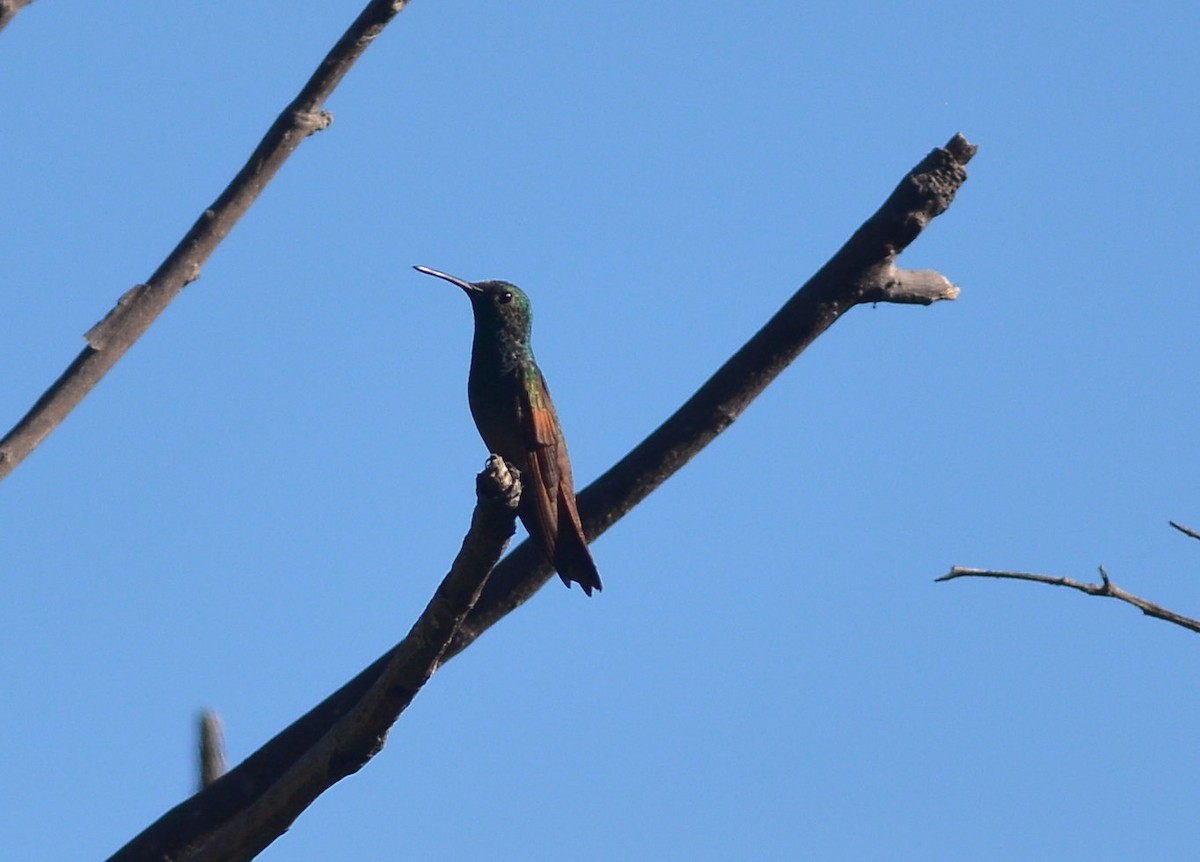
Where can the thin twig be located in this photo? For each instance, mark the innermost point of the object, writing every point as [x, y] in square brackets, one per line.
[862, 271]
[254, 803]
[1105, 588]
[9, 10]
[141, 305]
[1187, 531]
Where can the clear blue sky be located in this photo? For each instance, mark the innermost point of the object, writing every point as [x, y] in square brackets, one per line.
[261, 497]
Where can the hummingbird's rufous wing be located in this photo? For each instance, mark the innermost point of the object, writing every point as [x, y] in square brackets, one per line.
[542, 438]
[554, 494]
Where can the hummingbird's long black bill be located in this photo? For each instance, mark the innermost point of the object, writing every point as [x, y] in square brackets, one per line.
[453, 279]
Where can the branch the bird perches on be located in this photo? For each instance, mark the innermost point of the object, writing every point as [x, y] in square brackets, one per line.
[246, 808]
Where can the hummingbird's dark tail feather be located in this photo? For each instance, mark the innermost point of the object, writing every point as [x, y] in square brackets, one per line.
[572, 558]
[578, 567]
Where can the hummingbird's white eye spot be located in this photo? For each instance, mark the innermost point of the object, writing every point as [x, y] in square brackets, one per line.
[505, 298]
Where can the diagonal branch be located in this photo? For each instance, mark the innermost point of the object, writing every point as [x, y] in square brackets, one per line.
[1105, 588]
[863, 270]
[141, 305]
[249, 807]
[1187, 531]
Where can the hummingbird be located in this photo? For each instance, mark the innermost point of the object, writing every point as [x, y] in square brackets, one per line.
[514, 414]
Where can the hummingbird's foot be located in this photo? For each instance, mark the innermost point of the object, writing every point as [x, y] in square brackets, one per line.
[501, 482]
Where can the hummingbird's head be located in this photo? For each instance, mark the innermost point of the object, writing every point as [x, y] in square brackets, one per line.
[499, 306]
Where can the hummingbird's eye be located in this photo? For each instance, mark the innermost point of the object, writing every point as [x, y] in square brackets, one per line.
[505, 298]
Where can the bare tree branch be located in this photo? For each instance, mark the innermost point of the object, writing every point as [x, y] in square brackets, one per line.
[141, 305]
[862, 271]
[9, 10]
[251, 795]
[249, 807]
[1105, 588]
[1187, 531]
[212, 748]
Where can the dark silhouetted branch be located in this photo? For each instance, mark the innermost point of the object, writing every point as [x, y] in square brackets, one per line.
[1187, 531]
[264, 794]
[254, 803]
[141, 305]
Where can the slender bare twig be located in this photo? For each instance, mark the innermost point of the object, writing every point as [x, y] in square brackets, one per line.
[862, 271]
[9, 10]
[1187, 531]
[254, 803]
[1105, 588]
[212, 748]
[141, 305]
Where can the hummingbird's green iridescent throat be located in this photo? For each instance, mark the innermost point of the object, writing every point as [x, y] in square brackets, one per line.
[514, 414]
